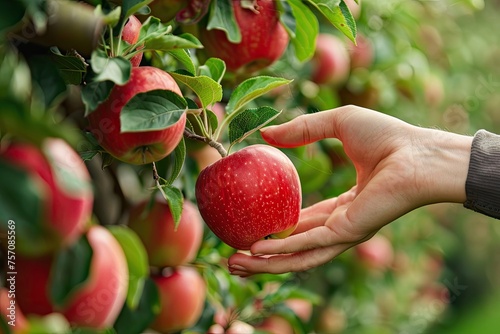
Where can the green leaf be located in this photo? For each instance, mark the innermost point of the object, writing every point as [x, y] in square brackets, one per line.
[72, 68]
[137, 262]
[89, 147]
[95, 93]
[138, 320]
[11, 13]
[175, 200]
[151, 111]
[251, 89]
[182, 56]
[214, 68]
[307, 29]
[70, 269]
[173, 42]
[15, 76]
[47, 79]
[129, 7]
[152, 28]
[115, 69]
[176, 162]
[53, 323]
[222, 18]
[207, 90]
[110, 18]
[249, 121]
[287, 18]
[339, 15]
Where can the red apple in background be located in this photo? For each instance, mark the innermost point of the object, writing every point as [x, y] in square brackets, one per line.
[301, 307]
[130, 34]
[182, 297]
[376, 253]
[275, 324]
[97, 302]
[361, 54]
[61, 187]
[263, 38]
[166, 246]
[250, 195]
[136, 147]
[330, 63]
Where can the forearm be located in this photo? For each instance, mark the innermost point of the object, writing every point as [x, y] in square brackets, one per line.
[483, 179]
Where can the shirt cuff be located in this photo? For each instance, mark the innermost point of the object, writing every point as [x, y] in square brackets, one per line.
[482, 186]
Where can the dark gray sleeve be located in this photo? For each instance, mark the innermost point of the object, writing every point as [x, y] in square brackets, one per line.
[482, 186]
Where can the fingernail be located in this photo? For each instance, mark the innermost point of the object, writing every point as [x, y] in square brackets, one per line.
[234, 267]
[267, 128]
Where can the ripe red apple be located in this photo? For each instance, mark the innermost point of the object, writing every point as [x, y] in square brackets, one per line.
[376, 253]
[250, 195]
[263, 38]
[361, 54]
[275, 324]
[166, 246]
[301, 307]
[182, 297]
[330, 63]
[130, 34]
[97, 302]
[60, 179]
[136, 147]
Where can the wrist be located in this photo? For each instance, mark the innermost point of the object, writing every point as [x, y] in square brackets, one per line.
[444, 162]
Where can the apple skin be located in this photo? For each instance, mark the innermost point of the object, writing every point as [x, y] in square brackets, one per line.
[97, 302]
[275, 324]
[63, 181]
[263, 38]
[182, 298]
[130, 34]
[167, 247]
[136, 148]
[331, 62]
[250, 195]
[362, 54]
[301, 307]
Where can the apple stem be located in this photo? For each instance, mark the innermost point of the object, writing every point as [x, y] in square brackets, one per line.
[218, 146]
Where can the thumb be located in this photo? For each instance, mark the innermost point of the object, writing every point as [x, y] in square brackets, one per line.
[304, 129]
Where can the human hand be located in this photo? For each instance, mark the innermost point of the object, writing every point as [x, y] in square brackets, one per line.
[399, 168]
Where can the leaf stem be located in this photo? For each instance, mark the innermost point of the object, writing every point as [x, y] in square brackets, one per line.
[218, 146]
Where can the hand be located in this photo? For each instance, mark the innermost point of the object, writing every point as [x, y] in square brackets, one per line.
[399, 168]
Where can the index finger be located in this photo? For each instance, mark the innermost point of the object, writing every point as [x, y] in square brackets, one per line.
[305, 129]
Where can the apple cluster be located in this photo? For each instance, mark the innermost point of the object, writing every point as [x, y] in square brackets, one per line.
[59, 191]
[171, 248]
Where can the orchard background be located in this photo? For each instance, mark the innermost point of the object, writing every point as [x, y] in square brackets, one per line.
[91, 248]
